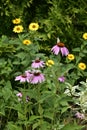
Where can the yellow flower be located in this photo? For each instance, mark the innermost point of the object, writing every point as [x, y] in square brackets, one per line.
[50, 63]
[26, 42]
[82, 66]
[71, 57]
[16, 21]
[18, 29]
[85, 36]
[33, 26]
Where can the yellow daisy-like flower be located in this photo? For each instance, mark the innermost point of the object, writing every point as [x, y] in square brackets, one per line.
[26, 42]
[50, 63]
[82, 66]
[33, 26]
[16, 21]
[71, 57]
[18, 29]
[85, 36]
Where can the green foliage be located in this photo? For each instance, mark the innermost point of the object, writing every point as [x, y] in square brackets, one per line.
[53, 103]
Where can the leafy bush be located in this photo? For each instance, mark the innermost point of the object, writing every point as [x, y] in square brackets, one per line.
[43, 65]
[39, 91]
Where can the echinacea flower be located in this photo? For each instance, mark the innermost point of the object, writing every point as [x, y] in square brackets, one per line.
[33, 26]
[16, 21]
[26, 42]
[50, 63]
[37, 63]
[27, 98]
[19, 95]
[18, 29]
[70, 56]
[28, 73]
[82, 66]
[85, 36]
[79, 115]
[22, 78]
[37, 77]
[60, 47]
[61, 79]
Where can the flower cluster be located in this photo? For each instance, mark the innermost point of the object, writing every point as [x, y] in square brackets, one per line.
[19, 28]
[32, 77]
[20, 96]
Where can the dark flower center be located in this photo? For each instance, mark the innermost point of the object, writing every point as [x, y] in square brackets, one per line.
[60, 44]
[33, 26]
[18, 28]
[37, 61]
[24, 76]
[27, 41]
[37, 74]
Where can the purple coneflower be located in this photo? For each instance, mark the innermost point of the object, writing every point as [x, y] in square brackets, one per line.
[27, 98]
[37, 77]
[79, 115]
[19, 95]
[22, 78]
[61, 79]
[37, 63]
[60, 47]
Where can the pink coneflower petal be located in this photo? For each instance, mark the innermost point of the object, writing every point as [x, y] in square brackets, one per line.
[37, 64]
[60, 47]
[64, 51]
[19, 94]
[20, 78]
[79, 115]
[37, 78]
[61, 79]
[55, 50]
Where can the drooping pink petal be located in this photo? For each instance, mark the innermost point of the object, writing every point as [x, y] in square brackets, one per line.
[64, 51]
[55, 49]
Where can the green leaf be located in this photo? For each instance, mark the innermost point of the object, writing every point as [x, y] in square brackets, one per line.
[33, 117]
[21, 116]
[76, 49]
[40, 110]
[73, 126]
[21, 55]
[35, 125]
[48, 114]
[64, 109]
[12, 126]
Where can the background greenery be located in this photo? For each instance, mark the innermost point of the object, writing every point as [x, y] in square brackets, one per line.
[66, 19]
[57, 18]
